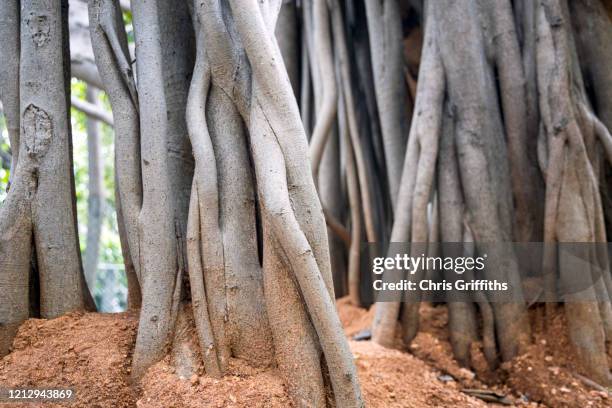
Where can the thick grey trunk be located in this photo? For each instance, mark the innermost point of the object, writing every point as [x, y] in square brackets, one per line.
[16, 254]
[47, 140]
[482, 154]
[248, 329]
[39, 213]
[9, 74]
[410, 224]
[528, 196]
[297, 284]
[573, 210]
[282, 169]
[166, 169]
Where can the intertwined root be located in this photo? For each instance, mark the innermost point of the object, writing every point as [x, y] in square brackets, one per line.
[488, 187]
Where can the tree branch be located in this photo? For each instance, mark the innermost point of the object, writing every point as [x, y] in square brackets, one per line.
[91, 110]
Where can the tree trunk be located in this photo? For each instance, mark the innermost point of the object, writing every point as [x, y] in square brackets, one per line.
[259, 272]
[9, 75]
[222, 230]
[39, 214]
[385, 31]
[166, 170]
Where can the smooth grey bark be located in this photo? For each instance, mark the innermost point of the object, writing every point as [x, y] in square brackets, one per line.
[528, 196]
[368, 118]
[352, 185]
[410, 224]
[96, 196]
[385, 33]
[134, 298]
[47, 140]
[593, 33]
[482, 155]
[166, 170]
[354, 131]
[226, 278]
[301, 230]
[206, 258]
[462, 323]
[9, 74]
[233, 70]
[573, 211]
[325, 144]
[476, 202]
[247, 327]
[15, 254]
[283, 305]
[39, 213]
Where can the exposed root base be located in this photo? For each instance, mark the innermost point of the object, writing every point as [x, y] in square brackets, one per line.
[92, 354]
[546, 374]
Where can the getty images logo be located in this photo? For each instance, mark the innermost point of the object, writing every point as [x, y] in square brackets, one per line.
[412, 264]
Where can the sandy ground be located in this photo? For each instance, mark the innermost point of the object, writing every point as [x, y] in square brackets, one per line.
[546, 376]
[91, 353]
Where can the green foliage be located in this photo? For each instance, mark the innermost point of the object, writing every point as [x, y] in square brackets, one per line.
[110, 247]
[4, 146]
[129, 28]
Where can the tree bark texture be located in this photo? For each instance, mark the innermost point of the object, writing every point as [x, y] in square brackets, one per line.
[38, 217]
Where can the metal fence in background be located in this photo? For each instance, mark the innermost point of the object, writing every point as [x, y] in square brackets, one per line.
[110, 289]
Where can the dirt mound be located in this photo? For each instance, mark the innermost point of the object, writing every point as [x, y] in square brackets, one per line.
[354, 319]
[91, 353]
[547, 375]
[390, 378]
[548, 372]
[87, 352]
[243, 386]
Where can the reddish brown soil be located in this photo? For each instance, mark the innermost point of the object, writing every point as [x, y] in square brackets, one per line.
[547, 375]
[243, 386]
[354, 319]
[548, 371]
[390, 378]
[91, 353]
